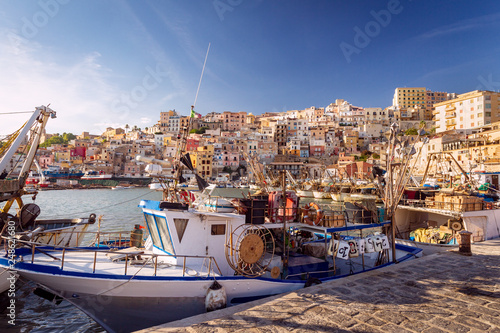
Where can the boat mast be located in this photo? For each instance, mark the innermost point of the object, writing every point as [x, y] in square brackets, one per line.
[185, 133]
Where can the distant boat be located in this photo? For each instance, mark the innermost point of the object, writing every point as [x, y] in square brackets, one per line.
[89, 175]
[155, 186]
[56, 172]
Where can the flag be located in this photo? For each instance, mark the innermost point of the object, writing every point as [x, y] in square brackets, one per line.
[192, 113]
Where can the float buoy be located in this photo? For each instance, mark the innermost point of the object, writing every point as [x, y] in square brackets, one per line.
[216, 297]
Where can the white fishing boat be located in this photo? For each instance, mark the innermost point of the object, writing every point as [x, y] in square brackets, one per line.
[321, 194]
[305, 193]
[96, 175]
[438, 218]
[155, 186]
[190, 254]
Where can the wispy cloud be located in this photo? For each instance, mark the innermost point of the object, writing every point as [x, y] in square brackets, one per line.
[462, 26]
[192, 48]
[32, 75]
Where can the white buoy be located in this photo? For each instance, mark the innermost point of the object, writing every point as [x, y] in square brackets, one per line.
[216, 297]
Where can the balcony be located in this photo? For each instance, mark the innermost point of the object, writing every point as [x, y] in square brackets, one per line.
[450, 107]
[450, 115]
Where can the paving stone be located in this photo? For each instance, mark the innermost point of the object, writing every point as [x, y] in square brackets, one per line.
[484, 310]
[471, 322]
[394, 329]
[420, 316]
[392, 317]
[493, 321]
[495, 306]
[415, 325]
[363, 328]
[434, 330]
[449, 325]
[368, 319]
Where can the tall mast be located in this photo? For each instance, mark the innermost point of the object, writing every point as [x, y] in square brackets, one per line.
[185, 131]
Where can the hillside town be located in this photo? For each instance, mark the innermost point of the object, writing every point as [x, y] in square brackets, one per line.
[345, 139]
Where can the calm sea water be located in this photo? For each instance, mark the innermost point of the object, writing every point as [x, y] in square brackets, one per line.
[120, 213]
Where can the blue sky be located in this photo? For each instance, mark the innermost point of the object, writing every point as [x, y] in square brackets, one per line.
[111, 63]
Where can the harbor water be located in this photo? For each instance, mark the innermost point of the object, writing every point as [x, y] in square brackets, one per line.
[120, 213]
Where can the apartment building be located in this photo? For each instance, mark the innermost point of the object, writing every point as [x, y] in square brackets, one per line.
[410, 97]
[202, 160]
[166, 124]
[470, 110]
[233, 121]
[418, 98]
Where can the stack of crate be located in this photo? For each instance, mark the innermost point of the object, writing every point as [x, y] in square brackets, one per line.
[333, 220]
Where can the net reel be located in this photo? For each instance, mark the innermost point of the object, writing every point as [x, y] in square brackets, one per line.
[250, 250]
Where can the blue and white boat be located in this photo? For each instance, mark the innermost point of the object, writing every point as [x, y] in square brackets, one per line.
[195, 261]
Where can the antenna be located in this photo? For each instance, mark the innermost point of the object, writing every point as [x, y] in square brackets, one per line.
[201, 77]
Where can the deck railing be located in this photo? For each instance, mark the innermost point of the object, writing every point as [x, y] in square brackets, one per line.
[128, 257]
[454, 204]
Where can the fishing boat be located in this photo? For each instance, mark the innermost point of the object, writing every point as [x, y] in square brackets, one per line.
[323, 192]
[96, 175]
[341, 191]
[54, 172]
[437, 218]
[430, 216]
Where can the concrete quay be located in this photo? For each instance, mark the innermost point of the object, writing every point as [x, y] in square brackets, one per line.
[441, 292]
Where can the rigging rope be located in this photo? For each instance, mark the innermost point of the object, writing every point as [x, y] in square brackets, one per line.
[14, 112]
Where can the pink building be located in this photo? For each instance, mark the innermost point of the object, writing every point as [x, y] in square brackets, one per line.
[233, 121]
[45, 160]
[231, 159]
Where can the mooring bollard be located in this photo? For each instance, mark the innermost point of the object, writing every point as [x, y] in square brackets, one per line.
[464, 246]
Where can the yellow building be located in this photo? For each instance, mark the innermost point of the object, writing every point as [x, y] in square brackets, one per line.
[418, 98]
[470, 110]
[409, 97]
[250, 120]
[202, 160]
[167, 140]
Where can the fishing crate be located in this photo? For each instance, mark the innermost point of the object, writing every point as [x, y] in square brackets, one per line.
[333, 220]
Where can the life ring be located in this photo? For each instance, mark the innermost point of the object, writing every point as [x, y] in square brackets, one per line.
[185, 197]
[319, 214]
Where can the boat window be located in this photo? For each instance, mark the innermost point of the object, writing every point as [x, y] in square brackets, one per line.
[165, 235]
[218, 229]
[153, 230]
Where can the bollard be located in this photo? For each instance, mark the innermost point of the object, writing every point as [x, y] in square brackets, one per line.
[464, 246]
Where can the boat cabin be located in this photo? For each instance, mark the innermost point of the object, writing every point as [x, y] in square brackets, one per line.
[176, 229]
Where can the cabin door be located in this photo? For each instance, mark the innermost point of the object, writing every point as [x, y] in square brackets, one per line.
[494, 180]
